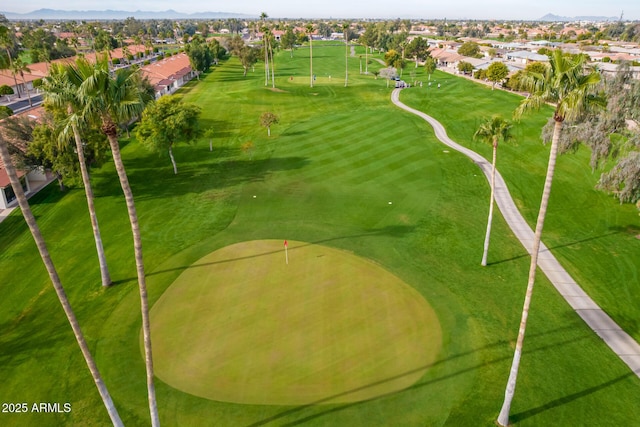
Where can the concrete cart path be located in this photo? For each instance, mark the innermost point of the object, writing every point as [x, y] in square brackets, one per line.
[618, 340]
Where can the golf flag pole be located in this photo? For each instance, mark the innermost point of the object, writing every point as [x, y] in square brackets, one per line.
[286, 253]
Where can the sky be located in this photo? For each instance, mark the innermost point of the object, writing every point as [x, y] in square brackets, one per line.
[386, 9]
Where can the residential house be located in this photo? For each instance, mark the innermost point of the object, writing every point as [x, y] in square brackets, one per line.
[169, 74]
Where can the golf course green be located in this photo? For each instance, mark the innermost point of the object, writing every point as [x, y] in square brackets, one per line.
[241, 325]
[383, 315]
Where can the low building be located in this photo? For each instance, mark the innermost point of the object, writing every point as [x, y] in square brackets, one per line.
[169, 74]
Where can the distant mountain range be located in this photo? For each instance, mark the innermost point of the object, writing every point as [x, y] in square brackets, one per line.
[550, 17]
[118, 15]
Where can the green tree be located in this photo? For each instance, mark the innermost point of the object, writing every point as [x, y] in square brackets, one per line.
[497, 72]
[492, 131]
[5, 111]
[418, 48]
[57, 285]
[235, 45]
[471, 49]
[61, 92]
[167, 122]
[268, 119]
[288, 40]
[567, 84]
[392, 57]
[209, 134]
[465, 67]
[112, 99]
[217, 50]
[6, 90]
[248, 56]
[199, 55]
[430, 66]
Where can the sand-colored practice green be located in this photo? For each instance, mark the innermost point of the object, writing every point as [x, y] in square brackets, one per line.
[240, 325]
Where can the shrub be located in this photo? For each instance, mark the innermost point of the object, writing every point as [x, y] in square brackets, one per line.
[5, 111]
[6, 90]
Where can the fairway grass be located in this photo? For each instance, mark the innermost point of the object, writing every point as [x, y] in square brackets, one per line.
[326, 176]
[240, 325]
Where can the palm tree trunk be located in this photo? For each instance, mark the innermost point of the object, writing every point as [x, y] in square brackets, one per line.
[273, 68]
[490, 220]
[142, 285]
[310, 61]
[24, 81]
[266, 61]
[102, 259]
[503, 418]
[366, 59]
[346, 61]
[57, 285]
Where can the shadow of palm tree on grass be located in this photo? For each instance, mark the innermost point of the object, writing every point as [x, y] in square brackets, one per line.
[564, 245]
[152, 176]
[424, 383]
[567, 399]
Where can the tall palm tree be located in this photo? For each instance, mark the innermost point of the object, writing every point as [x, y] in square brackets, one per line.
[570, 87]
[6, 43]
[57, 285]
[345, 29]
[61, 91]
[113, 99]
[272, 41]
[19, 67]
[263, 27]
[309, 28]
[492, 131]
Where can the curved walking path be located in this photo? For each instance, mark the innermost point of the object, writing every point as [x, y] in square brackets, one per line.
[618, 340]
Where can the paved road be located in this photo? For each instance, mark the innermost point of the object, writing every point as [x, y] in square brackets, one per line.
[618, 340]
[19, 104]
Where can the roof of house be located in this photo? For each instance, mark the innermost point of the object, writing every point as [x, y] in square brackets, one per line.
[164, 72]
[35, 114]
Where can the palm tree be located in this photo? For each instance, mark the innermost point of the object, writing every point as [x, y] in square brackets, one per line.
[272, 41]
[264, 16]
[310, 33]
[570, 87]
[492, 131]
[61, 89]
[19, 67]
[57, 285]
[345, 28]
[113, 99]
[6, 42]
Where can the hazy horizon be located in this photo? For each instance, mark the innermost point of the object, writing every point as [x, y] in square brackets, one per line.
[462, 9]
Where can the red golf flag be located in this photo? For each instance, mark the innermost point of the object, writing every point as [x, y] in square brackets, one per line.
[285, 243]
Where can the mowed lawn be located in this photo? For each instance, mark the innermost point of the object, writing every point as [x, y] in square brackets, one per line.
[325, 176]
[245, 325]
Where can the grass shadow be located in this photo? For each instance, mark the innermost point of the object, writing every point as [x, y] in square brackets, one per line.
[520, 416]
[152, 177]
[393, 231]
[419, 384]
[566, 245]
